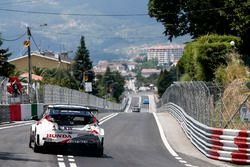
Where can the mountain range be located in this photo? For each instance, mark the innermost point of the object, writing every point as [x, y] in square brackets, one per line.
[110, 27]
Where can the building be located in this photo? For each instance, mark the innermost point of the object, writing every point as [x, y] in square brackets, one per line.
[46, 59]
[121, 66]
[166, 54]
[147, 72]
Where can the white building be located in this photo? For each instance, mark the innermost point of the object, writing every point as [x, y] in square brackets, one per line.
[166, 54]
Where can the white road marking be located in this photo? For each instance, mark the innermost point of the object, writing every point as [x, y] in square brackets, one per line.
[165, 142]
[72, 165]
[113, 115]
[70, 156]
[106, 117]
[61, 164]
[128, 104]
[60, 156]
[182, 161]
[71, 160]
[163, 137]
[60, 159]
[13, 126]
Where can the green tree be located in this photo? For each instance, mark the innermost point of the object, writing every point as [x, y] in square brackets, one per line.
[6, 69]
[198, 18]
[61, 77]
[165, 79]
[82, 62]
[237, 12]
[194, 17]
[203, 56]
[110, 85]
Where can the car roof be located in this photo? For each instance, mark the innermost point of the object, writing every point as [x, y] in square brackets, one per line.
[67, 106]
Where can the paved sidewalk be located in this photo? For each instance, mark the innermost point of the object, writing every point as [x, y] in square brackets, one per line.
[183, 146]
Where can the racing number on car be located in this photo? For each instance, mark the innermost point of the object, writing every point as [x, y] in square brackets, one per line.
[67, 128]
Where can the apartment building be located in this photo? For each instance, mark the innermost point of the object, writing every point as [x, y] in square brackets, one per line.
[166, 54]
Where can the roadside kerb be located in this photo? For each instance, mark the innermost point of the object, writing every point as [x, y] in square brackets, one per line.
[20, 112]
[221, 144]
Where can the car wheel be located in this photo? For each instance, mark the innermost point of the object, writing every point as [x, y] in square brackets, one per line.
[99, 151]
[30, 142]
[37, 148]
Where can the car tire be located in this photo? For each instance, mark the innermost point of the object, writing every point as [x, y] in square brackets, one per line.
[100, 149]
[30, 142]
[37, 149]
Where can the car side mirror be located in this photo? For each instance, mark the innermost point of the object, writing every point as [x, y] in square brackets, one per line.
[35, 117]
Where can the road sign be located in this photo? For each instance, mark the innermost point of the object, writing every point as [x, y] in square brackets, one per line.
[26, 43]
[88, 87]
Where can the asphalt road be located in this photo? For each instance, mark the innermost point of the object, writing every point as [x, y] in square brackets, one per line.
[131, 139]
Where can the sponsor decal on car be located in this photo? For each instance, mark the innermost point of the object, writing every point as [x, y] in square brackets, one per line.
[64, 136]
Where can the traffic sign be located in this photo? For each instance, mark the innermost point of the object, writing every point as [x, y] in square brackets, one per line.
[26, 43]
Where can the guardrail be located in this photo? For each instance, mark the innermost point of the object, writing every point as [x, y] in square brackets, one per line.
[217, 143]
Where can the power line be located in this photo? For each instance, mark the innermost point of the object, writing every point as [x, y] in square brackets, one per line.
[101, 15]
[73, 14]
[35, 43]
[15, 3]
[19, 37]
[103, 37]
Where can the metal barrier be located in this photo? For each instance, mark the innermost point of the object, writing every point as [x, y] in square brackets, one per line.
[217, 143]
[60, 95]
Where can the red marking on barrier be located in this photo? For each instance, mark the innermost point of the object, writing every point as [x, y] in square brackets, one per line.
[217, 142]
[243, 133]
[15, 112]
[217, 131]
[214, 157]
[213, 152]
[239, 155]
[239, 161]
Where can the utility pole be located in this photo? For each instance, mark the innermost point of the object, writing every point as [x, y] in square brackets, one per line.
[29, 61]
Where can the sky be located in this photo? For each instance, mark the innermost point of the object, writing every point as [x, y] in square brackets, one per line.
[110, 27]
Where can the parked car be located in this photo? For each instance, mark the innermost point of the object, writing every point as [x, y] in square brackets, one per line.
[67, 125]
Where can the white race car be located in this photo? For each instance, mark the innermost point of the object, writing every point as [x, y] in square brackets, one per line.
[67, 125]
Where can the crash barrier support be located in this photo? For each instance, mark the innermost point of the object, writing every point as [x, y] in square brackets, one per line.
[216, 143]
[19, 112]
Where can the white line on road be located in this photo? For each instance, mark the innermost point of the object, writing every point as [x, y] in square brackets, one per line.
[72, 165]
[13, 126]
[110, 115]
[167, 145]
[113, 115]
[61, 164]
[163, 137]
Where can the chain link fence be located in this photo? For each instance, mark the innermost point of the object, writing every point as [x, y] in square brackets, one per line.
[210, 104]
[3, 90]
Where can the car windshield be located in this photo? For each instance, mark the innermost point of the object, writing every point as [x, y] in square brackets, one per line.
[71, 117]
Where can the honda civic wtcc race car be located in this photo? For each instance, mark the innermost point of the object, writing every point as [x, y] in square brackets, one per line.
[67, 125]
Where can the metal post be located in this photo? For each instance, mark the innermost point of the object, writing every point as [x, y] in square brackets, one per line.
[29, 62]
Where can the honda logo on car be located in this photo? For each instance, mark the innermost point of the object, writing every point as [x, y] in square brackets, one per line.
[64, 136]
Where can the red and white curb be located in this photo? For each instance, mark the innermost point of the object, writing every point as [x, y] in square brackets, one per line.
[167, 145]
